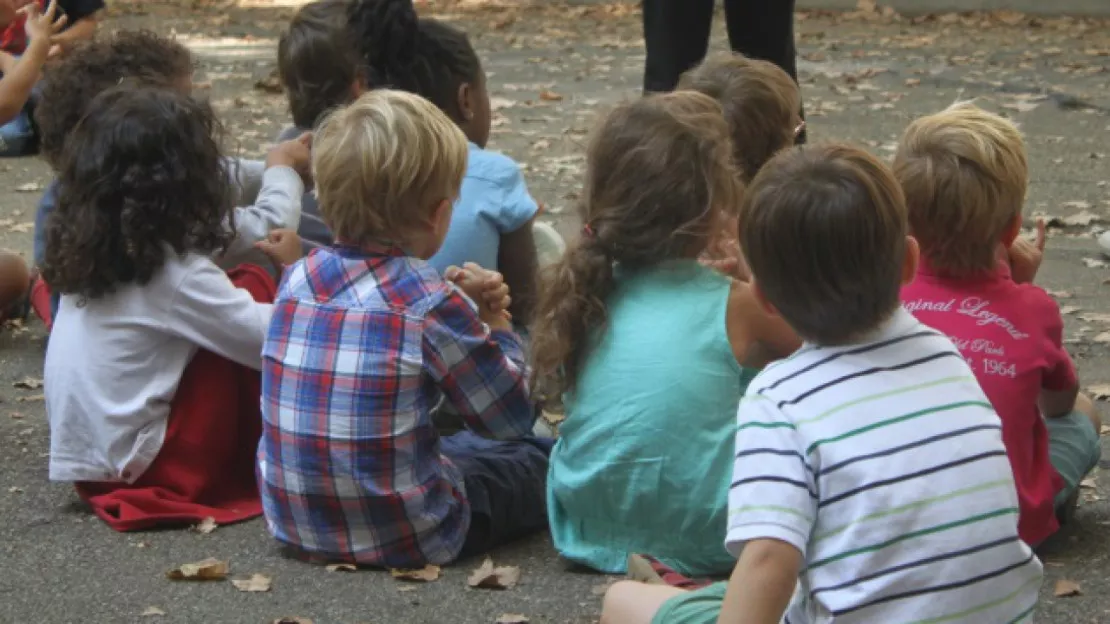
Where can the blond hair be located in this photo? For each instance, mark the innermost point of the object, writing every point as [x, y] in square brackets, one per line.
[825, 236]
[383, 163]
[761, 104]
[964, 173]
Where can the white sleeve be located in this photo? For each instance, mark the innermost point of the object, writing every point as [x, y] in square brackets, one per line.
[208, 310]
[278, 205]
[246, 179]
[773, 492]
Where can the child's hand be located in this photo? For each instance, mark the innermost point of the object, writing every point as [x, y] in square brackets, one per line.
[487, 289]
[1026, 256]
[296, 154]
[283, 247]
[41, 27]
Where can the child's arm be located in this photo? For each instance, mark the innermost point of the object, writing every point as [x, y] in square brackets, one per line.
[762, 583]
[757, 336]
[516, 259]
[479, 365]
[1025, 256]
[772, 506]
[15, 88]
[278, 205]
[208, 310]
[1060, 384]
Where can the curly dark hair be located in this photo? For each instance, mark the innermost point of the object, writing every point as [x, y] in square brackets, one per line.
[92, 67]
[420, 55]
[141, 174]
[318, 61]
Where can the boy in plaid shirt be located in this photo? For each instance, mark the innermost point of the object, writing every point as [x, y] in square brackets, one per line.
[365, 340]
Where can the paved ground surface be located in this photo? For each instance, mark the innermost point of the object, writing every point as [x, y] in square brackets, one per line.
[864, 77]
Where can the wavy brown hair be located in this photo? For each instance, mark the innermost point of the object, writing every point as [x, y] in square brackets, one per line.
[92, 67]
[659, 171]
[140, 178]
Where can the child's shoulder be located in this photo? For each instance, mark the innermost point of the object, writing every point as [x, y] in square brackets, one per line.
[491, 166]
[401, 283]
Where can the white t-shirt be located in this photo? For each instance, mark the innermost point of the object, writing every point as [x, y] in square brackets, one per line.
[882, 462]
[113, 364]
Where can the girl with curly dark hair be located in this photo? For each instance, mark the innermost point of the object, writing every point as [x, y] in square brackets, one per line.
[151, 375]
[269, 193]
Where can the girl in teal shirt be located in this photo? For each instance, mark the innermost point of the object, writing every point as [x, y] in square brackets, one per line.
[650, 349]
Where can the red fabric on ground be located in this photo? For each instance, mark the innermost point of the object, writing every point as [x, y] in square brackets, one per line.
[40, 301]
[206, 467]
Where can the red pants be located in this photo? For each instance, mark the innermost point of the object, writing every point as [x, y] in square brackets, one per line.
[206, 466]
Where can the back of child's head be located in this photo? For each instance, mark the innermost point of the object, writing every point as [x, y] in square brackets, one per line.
[318, 61]
[383, 164]
[423, 56]
[964, 173]
[659, 178]
[140, 178]
[824, 232]
[69, 84]
[760, 101]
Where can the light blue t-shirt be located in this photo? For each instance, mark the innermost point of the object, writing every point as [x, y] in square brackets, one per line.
[493, 201]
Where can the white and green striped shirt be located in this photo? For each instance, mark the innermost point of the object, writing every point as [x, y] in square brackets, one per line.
[882, 462]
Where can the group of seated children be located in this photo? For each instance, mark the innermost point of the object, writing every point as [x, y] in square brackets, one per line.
[908, 427]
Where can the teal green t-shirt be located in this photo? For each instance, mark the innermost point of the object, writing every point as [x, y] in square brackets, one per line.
[644, 459]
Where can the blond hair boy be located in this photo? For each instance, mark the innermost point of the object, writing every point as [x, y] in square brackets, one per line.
[964, 172]
[367, 338]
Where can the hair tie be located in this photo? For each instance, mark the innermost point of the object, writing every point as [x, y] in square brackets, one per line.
[588, 231]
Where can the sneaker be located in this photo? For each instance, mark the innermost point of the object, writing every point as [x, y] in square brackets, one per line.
[550, 246]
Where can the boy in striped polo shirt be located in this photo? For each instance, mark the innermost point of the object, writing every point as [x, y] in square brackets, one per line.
[871, 482]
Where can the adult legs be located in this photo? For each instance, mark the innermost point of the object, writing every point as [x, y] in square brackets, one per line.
[676, 34]
[764, 29]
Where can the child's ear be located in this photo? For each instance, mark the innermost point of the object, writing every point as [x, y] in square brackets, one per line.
[464, 96]
[1012, 231]
[358, 87]
[910, 261]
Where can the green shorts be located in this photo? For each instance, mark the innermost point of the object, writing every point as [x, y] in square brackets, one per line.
[1073, 449]
[701, 606]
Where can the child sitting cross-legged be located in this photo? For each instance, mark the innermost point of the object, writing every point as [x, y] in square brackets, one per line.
[367, 338]
[964, 173]
[152, 370]
[860, 493]
[651, 349]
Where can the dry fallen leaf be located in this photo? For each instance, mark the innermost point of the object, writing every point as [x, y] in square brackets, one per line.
[256, 583]
[29, 187]
[1069, 309]
[211, 569]
[548, 95]
[342, 567]
[1094, 263]
[149, 611]
[1104, 430]
[426, 574]
[489, 577]
[500, 103]
[1099, 392]
[406, 588]
[512, 618]
[292, 620]
[28, 383]
[15, 489]
[1102, 338]
[31, 398]
[1095, 317]
[1083, 218]
[206, 526]
[1065, 588]
[1077, 203]
[1089, 483]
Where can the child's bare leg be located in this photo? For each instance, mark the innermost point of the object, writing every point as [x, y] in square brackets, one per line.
[1085, 406]
[631, 602]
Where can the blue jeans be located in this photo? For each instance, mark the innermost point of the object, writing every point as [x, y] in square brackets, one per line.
[506, 486]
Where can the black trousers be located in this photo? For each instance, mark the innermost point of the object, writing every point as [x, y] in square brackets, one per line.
[676, 34]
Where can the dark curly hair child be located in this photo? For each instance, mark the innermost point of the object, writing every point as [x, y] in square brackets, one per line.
[151, 375]
[269, 193]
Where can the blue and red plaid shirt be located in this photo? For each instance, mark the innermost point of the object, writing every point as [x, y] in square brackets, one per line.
[362, 345]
